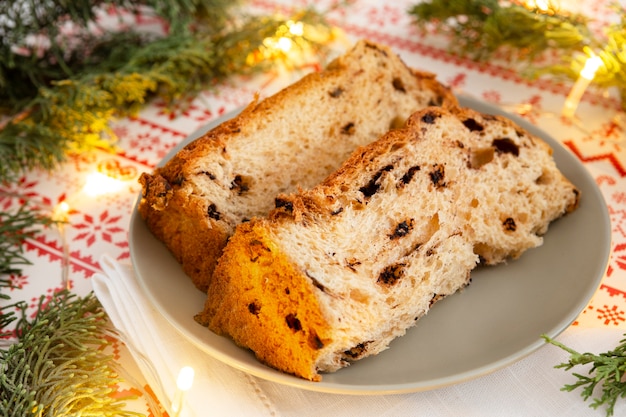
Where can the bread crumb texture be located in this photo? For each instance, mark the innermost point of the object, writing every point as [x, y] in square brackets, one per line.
[292, 139]
[337, 271]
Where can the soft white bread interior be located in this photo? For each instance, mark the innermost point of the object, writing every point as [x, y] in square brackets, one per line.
[292, 139]
[335, 273]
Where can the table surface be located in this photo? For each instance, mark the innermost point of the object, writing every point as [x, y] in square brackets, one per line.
[98, 224]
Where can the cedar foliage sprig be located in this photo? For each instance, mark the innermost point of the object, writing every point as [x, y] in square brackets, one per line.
[555, 42]
[59, 366]
[484, 27]
[24, 67]
[608, 372]
[15, 227]
[74, 104]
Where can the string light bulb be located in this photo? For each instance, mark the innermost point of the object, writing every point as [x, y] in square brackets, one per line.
[549, 7]
[60, 215]
[591, 67]
[542, 5]
[98, 183]
[587, 74]
[61, 211]
[290, 44]
[284, 44]
[183, 384]
[296, 28]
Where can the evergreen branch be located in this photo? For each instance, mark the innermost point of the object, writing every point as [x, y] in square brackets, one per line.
[25, 67]
[15, 228]
[74, 114]
[7, 315]
[59, 366]
[484, 29]
[608, 371]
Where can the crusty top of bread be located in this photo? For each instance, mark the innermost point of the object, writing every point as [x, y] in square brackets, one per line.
[292, 139]
[334, 273]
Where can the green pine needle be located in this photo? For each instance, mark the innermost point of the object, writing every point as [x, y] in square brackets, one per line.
[21, 75]
[59, 366]
[73, 113]
[607, 375]
[15, 228]
[483, 29]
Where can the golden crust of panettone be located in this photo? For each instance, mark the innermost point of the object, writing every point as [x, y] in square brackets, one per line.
[294, 138]
[266, 306]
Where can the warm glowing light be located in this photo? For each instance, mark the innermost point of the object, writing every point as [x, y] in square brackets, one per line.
[586, 75]
[547, 7]
[296, 28]
[292, 44]
[62, 209]
[185, 378]
[284, 44]
[98, 184]
[542, 5]
[60, 212]
[591, 67]
[183, 384]
[60, 215]
[281, 44]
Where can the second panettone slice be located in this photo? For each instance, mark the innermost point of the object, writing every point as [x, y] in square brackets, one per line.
[335, 273]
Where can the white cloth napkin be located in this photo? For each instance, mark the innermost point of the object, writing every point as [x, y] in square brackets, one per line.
[218, 389]
[530, 387]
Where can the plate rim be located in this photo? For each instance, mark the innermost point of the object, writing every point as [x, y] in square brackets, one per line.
[264, 372]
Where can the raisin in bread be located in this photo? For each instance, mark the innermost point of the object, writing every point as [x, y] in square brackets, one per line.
[292, 139]
[334, 273]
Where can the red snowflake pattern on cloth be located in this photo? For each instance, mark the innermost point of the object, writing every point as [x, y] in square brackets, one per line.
[17, 281]
[611, 315]
[610, 135]
[144, 142]
[103, 226]
[15, 194]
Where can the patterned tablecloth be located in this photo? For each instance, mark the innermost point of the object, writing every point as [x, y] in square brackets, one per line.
[100, 206]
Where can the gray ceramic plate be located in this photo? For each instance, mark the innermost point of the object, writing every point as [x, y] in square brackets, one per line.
[494, 322]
